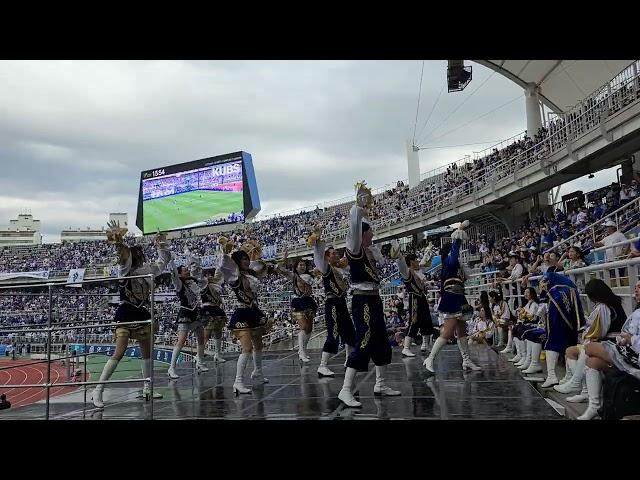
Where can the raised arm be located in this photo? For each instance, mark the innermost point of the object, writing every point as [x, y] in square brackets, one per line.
[164, 255]
[318, 256]
[426, 258]
[229, 269]
[173, 270]
[115, 235]
[218, 278]
[281, 270]
[354, 236]
[195, 270]
[319, 247]
[396, 254]
[364, 200]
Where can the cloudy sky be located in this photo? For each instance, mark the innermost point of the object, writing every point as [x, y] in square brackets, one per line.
[74, 135]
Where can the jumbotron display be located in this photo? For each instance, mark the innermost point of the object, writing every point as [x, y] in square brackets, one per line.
[212, 191]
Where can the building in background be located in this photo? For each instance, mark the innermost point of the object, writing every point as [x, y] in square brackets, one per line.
[92, 235]
[23, 230]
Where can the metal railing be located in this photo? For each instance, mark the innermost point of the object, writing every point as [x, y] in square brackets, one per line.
[50, 328]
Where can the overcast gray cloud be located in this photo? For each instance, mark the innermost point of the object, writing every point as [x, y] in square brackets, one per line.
[74, 135]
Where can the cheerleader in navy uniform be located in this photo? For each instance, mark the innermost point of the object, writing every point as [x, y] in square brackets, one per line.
[366, 305]
[213, 316]
[336, 313]
[303, 306]
[419, 313]
[242, 271]
[453, 303]
[188, 283]
[134, 299]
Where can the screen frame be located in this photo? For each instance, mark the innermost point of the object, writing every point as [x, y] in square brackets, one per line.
[194, 165]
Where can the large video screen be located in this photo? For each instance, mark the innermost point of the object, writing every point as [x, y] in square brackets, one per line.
[175, 198]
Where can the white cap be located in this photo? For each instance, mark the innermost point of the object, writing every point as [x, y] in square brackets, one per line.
[610, 223]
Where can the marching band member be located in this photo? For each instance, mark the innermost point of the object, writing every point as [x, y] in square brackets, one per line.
[414, 282]
[453, 303]
[516, 273]
[480, 329]
[564, 319]
[501, 314]
[526, 320]
[188, 283]
[212, 311]
[623, 354]
[336, 313]
[366, 304]
[242, 271]
[303, 306]
[134, 298]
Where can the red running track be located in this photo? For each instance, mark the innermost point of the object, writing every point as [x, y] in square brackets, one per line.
[21, 374]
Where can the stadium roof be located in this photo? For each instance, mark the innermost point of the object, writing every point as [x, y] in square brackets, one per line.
[562, 83]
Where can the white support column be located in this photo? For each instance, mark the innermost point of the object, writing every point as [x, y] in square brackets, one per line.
[532, 106]
[413, 164]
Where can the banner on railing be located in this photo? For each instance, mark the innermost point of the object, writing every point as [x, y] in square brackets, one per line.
[75, 275]
[159, 355]
[40, 274]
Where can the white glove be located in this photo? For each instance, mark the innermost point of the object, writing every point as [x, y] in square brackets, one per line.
[377, 254]
[394, 253]
[460, 234]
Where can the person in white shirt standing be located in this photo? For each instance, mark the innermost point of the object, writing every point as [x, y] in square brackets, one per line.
[613, 236]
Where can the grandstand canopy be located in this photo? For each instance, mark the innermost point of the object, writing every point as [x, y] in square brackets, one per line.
[562, 83]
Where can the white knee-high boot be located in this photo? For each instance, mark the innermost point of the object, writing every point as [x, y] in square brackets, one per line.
[437, 345]
[174, 358]
[302, 346]
[238, 385]
[574, 385]
[406, 351]
[463, 346]
[534, 366]
[518, 343]
[524, 362]
[381, 387]
[200, 365]
[552, 360]
[217, 345]
[509, 347]
[323, 370]
[425, 343]
[346, 394]
[594, 385]
[107, 371]
[257, 368]
[581, 397]
[347, 351]
[146, 373]
[569, 367]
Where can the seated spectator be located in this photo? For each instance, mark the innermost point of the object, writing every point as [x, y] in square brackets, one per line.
[623, 354]
[4, 403]
[607, 317]
[572, 258]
